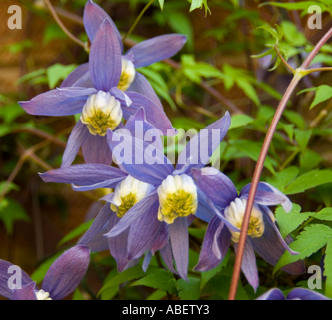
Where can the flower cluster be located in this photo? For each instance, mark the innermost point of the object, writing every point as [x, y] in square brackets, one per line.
[153, 201]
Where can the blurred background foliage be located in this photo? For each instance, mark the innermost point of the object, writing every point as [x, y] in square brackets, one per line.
[228, 64]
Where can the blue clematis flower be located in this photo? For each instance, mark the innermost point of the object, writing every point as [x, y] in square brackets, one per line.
[61, 279]
[160, 220]
[140, 55]
[295, 294]
[102, 105]
[128, 191]
[224, 228]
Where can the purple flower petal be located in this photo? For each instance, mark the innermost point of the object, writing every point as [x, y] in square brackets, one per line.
[216, 236]
[94, 237]
[135, 212]
[95, 149]
[166, 254]
[248, 266]
[144, 232]
[200, 147]
[217, 186]
[162, 239]
[179, 238]
[267, 195]
[146, 261]
[271, 246]
[80, 77]
[142, 85]
[84, 174]
[28, 292]
[135, 157]
[156, 49]
[155, 115]
[93, 17]
[105, 58]
[273, 294]
[8, 270]
[66, 273]
[78, 135]
[58, 102]
[305, 294]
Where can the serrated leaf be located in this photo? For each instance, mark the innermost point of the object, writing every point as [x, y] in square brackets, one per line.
[283, 178]
[309, 241]
[324, 214]
[158, 279]
[309, 180]
[240, 120]
[328, 269]
[189, 290]
[323, 93]
[289, 221]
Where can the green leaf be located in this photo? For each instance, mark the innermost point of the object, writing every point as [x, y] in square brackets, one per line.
[76, 232]
[161, 3]
[323, 93]
[302, 137]
[283, 178]
[12, 212]
[158, 279]
[126, 275]
[289, 221]
[328, 269]
[189, 290]
[309, 241]
[309, 180]
[240, 120]
[58, 72]
[78, 295]
[197, 4]
[324, 214]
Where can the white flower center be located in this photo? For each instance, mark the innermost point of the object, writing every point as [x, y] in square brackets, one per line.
[127, 75]
[43, 295]
[101, 112]
[127, 193]
[234, 213]
[177, 198]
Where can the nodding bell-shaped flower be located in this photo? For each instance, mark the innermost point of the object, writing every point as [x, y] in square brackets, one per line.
[100, 112]
[127, 193]
[177, 197]
[234, 213]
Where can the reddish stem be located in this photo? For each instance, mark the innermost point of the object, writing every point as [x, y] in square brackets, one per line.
[260, 164]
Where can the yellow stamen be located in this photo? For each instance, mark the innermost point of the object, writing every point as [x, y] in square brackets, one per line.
[127, 75]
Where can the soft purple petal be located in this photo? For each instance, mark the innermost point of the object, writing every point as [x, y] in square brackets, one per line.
[95, 149]
[249, 267]
[142, 85]
[135, 212]
[78, 135]
[118, 245]
[146, 261]
[84, 174]
[66, 273]
[94, 237]
[305, 294]
[156, 49]
[80, 77]
[204, 210]
[93, 17]
[179, 238]
[217, 186]
[267, 195]
[105, 58]
[273, 294]
[8, 270]
[58, 102]
[162, 238]
[141, 160]
[144, 232]
[216, 236]
[121, 96]
[28, 292]
[201, 147]
[139, 127]
[166, 254]
[154, 114]
[271, 246]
